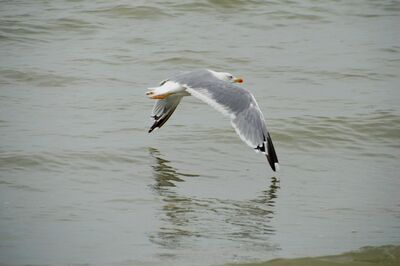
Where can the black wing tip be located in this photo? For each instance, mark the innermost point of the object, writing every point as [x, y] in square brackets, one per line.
[151, 128]
[269, 152]
[274, 165]
[271, 163]
[271, 155]
[154, 126]
[160, 120]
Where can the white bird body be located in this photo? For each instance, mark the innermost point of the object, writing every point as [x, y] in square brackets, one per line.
[165, 89]
[216, 89]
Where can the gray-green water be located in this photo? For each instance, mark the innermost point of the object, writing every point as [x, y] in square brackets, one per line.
[81, 181]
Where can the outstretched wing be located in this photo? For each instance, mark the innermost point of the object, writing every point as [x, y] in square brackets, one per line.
[238, 104]
[163, 109]
[250, 126]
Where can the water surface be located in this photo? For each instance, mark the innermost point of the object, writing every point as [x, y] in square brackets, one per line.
[81, 181]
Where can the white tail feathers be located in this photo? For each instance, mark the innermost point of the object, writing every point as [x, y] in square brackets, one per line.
[168, 87]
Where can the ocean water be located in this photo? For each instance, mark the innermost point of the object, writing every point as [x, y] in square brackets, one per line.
[82, 182]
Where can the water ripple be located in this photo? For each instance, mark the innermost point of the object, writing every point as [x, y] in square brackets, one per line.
[37, 77]
[380, 129]
[132, 12]
[51, 161]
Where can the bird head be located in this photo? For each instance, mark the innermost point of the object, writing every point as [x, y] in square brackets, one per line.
[228, 77]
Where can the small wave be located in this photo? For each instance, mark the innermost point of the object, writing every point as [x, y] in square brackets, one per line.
[38, 78]
[288, 15]
[69, 24]
[186, 51]
[59, 161]
[234, 3]
[393, 49]
[34, 31]
[139, 40]
[21, 28]
[181, 61]
[135, 12]
[28, 161]
[347, 74]
[355, 133]
[22, 32]
[218, 5]
[23, 187]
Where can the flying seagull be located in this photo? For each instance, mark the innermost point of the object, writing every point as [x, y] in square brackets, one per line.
[218, 90]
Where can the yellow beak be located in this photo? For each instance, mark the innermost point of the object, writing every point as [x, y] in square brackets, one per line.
[238, 80]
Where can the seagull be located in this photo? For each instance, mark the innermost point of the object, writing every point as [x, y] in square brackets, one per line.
[217, 89]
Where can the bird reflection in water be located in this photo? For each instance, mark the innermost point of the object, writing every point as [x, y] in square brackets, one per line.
[175, 208]
[165, 175]
[186, 220]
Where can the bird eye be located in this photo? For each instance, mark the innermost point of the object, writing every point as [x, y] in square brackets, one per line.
[230, 77]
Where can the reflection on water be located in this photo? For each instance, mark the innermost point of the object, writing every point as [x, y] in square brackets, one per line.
[165, 175]
[187, 220]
